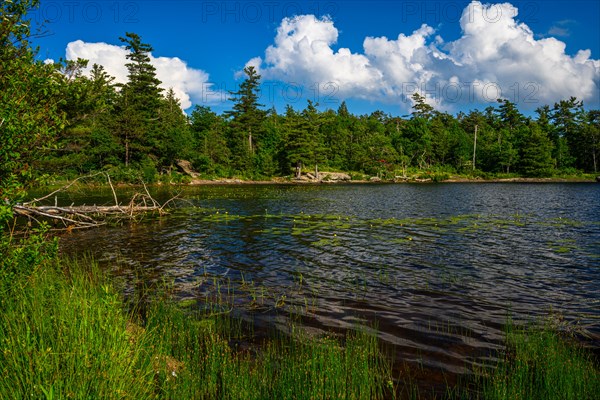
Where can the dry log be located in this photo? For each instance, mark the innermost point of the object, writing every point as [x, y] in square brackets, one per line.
[85, 216]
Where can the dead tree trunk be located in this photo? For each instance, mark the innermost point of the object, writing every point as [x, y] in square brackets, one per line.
[84, 216]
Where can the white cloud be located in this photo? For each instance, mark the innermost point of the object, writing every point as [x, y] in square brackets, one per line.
[111, 57]
[559, 31]
[495, 56]
[302, 53]
[187, 83]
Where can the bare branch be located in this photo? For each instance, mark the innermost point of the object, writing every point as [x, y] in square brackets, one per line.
[113, 189]
[91, 216]
[62, 189]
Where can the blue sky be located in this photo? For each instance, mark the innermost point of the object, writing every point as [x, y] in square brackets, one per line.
[460, 54]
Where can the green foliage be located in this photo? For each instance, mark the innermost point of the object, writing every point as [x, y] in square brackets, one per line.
[536, 154]
[246, 125]
[31, 95]
[210, 153]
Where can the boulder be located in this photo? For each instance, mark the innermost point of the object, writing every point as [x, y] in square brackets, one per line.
[334, 176]
[374, 179]
[187, 168]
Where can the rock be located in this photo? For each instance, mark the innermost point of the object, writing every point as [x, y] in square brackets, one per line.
[302, 178]
[598, 179]
[186, 167]
[374, 179]
[334, 176]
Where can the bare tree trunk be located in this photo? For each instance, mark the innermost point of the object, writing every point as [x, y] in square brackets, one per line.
[474, 147]
[250, 147]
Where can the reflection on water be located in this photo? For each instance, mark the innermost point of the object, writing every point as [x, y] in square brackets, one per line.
[439, 267]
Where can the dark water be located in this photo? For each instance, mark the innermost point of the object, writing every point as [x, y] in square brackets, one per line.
[438, 267]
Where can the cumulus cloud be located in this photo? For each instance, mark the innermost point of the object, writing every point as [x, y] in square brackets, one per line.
[302, 53]
[187, 83]
[496, 56]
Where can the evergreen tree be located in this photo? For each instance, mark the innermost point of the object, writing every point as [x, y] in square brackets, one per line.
[314, 136]
[421, 108]
[143, 85]
[380, 154]
[441, 139]
[174, 139]
[299, 143]
[269, 156]
[247, 119]
[566, 117]
[591, 136]
[536, 153]
[208, 130]
[139, 102]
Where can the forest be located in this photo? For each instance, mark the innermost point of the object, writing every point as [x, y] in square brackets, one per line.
[58, 121]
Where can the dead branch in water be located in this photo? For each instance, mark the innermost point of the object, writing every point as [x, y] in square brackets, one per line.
[84, 216]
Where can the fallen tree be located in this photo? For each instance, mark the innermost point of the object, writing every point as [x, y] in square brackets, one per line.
[86, 216]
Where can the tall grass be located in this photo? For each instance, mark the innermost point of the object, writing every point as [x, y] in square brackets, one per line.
[64, 333]
[541, 364]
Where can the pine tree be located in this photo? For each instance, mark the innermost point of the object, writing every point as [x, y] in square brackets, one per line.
[301, 149]
[566, 117]
[591, 134]
[536, 153]
[143, 85]
[174, 140]
[421, 108]
[208, 130]
[247, 119]
[139, 102]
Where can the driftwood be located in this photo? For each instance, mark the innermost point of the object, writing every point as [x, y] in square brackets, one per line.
[85, 216]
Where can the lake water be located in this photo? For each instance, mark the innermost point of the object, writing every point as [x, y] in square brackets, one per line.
[437, 267]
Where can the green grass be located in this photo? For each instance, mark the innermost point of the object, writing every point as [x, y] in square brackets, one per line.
[65, 333]
[541, 364]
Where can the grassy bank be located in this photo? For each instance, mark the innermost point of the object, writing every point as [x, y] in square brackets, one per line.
[65, 334]
[541, 364]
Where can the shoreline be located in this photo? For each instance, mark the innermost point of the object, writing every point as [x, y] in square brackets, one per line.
[284, 181]
[194, 182]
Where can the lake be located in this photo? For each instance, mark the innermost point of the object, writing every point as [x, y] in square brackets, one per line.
[438, 268]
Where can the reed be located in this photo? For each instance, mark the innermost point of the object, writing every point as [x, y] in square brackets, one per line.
[66, 333]
[540, 363]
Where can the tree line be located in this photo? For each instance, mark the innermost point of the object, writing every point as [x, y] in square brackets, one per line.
[56, 119]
